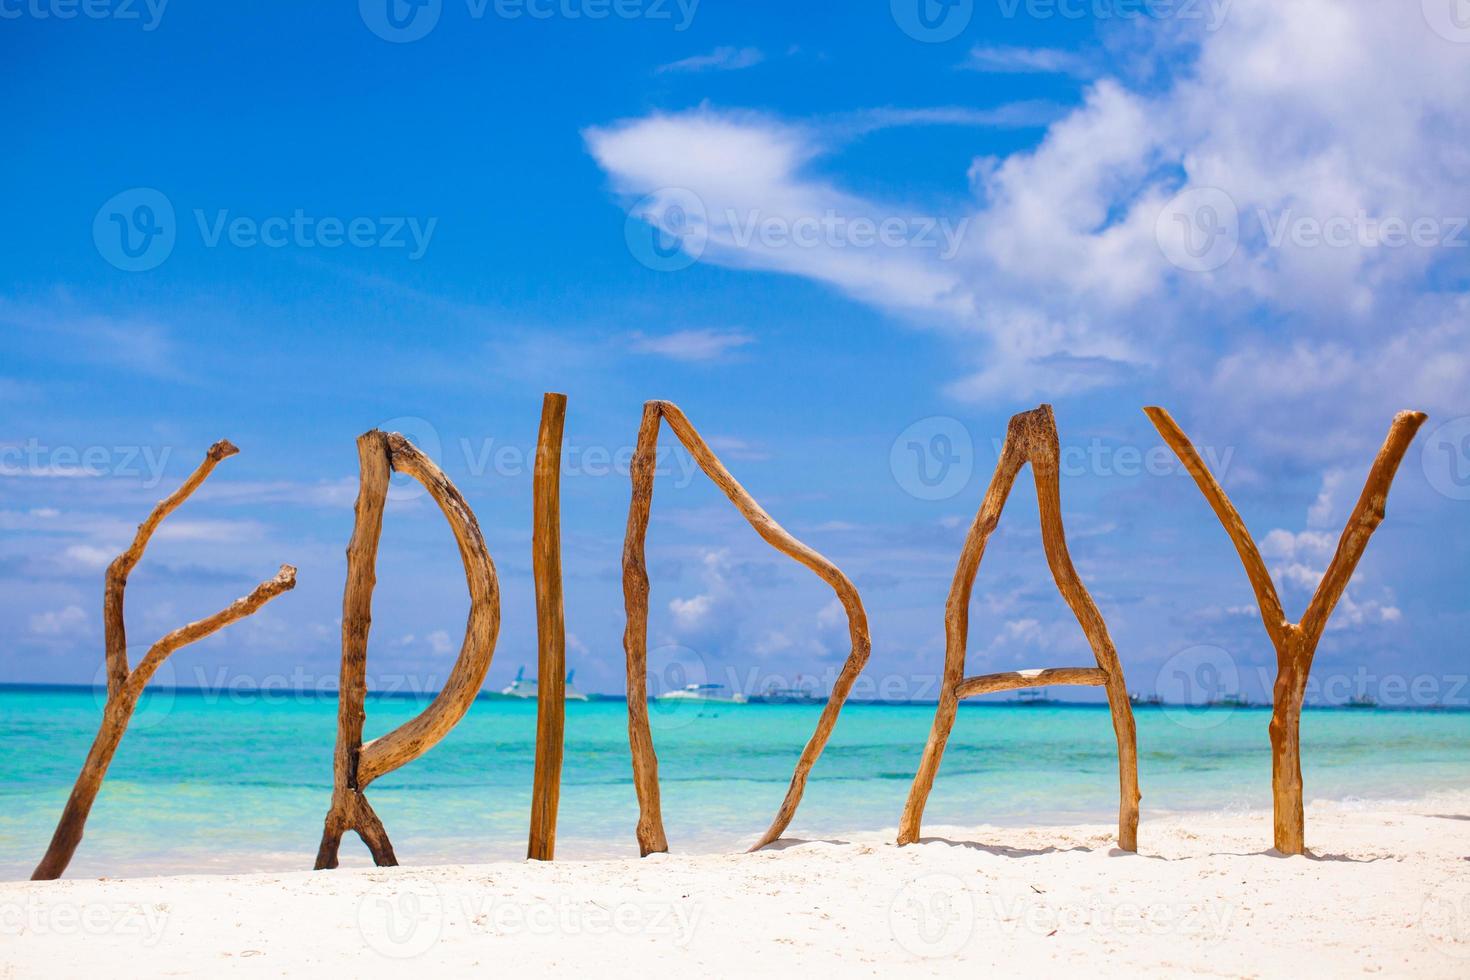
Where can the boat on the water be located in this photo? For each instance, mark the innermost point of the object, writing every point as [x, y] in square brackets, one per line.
[1032, 697]
[1362, 701]
[1152, 700]
[776, 694]
[1229, 701]
[523, 688]
[713, 693]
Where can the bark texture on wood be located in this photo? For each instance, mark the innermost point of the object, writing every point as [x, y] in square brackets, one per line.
[1296, 643]
[355, 764]
[1015, 680]
[125, 684]
[550, 629]
[650, 829]
[635, 590]
[1031, 438]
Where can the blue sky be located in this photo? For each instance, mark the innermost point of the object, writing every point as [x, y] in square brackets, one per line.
[874, 232]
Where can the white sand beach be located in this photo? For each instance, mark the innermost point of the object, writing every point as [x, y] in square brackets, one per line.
[1387, 892]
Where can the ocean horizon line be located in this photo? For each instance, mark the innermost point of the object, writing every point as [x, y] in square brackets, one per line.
[758, 701]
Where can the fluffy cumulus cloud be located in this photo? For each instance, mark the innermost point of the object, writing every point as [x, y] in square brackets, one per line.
[1275, 226]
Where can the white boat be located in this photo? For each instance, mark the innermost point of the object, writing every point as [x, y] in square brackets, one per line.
[703, 692]
[522, 688]
[570, 693]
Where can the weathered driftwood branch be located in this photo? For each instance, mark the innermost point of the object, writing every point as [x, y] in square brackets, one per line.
[635, 638]
[356, 765]
[124, 684]
[551, 637]
[1031, 437]
[1015, 680]
[1296, 643]
[650, 829]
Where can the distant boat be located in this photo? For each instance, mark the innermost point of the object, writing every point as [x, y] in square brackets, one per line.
[569, 692]
[776, 694]
[1229, 701]
[1362, 701]
[703, 692]
[522, 688]
[1152, 699]
[1033, 696]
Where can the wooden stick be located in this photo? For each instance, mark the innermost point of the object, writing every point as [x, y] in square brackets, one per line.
[550, 629]
[1030, 437]
[125, 685]
[1296, 643]
[1014, 680]
[650, 829]
[635, 589]
[374, 474]
[1045, 453]
[357, 764]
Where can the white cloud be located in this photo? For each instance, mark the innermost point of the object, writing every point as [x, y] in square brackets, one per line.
[1026, 60]
[1321, 512]
[730, 447]
[697, 612]
[693, 345]
[691, 613]
[89, 556]
[1012, 115]
[760, 211]
[725, 58]
[832, 614]
[71, 621]
[219, 531]
[1312, 111]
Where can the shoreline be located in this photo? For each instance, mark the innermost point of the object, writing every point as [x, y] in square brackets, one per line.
[1204, 895]
[481, 851]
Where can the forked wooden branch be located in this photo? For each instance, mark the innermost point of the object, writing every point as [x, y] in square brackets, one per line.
[1296, 643]
[551, 638]
[1030, 437]
[635, 639]
[355, 764]
[124, 684]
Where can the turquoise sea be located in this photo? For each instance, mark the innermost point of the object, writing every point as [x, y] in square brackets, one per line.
[240, 781]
